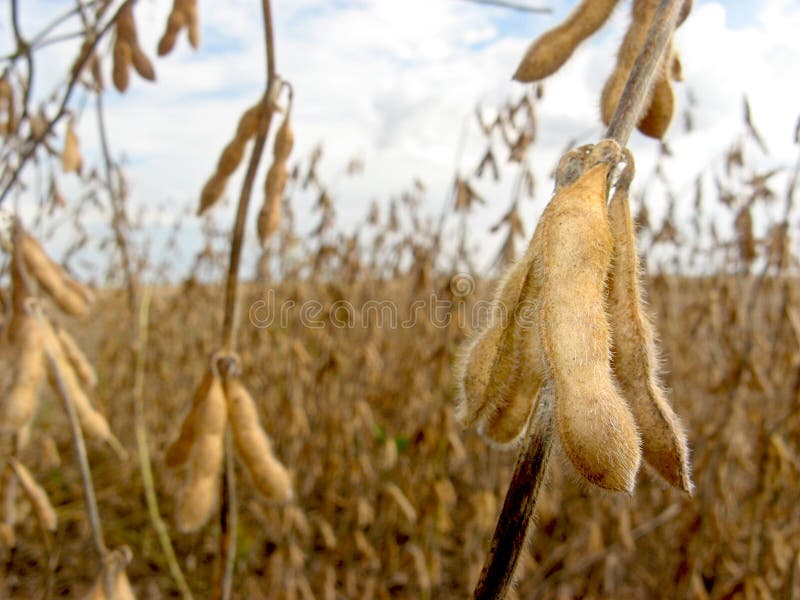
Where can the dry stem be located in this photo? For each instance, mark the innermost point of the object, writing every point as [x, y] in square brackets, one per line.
[144, 453]
[229, 515]
[631, 103]
[523, 491]
[77, 437]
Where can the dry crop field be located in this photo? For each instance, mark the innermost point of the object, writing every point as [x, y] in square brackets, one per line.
[299, 433]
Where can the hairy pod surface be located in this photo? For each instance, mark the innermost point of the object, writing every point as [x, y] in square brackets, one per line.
[36, 495]
[573, 248]
[53, 279]
[71, 154]
[487, 371]
[77, 359]
[179, 450]
[635, 356]
[641, 17]
[554, 47]
[269, 476]
[197, 498]
[18, 406]
[123, 56]
[657, 118]
[93, 423]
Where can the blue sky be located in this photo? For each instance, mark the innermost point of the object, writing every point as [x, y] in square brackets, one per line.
[395, 83]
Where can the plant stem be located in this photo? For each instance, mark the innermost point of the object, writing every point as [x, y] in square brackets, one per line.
[77, 437]
[229, 325]
[631, 103]
[144, 453]
[515, 516]
[33, 143]
[228, 510]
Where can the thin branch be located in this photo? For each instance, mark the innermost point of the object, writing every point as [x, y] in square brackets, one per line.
[523, 491]
[145, 466]
[229, 325]
[631, 103]
[77, 437]
[118, 217]
[34, 142]
[229, 515]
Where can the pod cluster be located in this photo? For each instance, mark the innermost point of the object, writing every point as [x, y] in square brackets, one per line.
[200, 446]
[277, 176]
[568, 320]
[553, 48]
[127, 51]
[40, 349]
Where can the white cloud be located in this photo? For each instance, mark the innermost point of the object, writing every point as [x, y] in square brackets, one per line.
[395, 82]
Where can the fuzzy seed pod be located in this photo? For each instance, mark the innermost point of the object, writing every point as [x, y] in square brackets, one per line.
[248, 123]
[269, 216]
[269, 219]
[71, 160]
[114, 571]
[8, 119]
[18, 406]
[642, 16]
[175, 22]
[212, 192]
[497, 379]
[36, 495]
[554, 47]
[93, 423]
[127, 51]
[193, 28]
[52, 278]
[230, 158]
[573, 249]
[254, 447]
[635, 357]
[656, 120]
[178, 452]
[76, 357]
[197, 498]
[142, 64]
[123, 56]
[284, 140]
[183, 14]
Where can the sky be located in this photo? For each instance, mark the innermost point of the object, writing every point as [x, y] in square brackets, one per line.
[395, 84]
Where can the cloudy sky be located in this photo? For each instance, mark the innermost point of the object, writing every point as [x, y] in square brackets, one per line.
[395, 83]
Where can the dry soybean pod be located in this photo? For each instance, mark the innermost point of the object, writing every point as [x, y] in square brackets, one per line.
[175, 22]
[486, 372]
[93, 423]
[230, 158]
[113, 573]
[635, 356]
[36, 495]
[275, 184]
[178, 451]
[641, 16]
[77, 359]
[656, 120]
[123, 56]
[573, 253]
[254, 447]
[51, 277]
[197, 497]
[19, 405]
[554, 47]
[71, 154]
